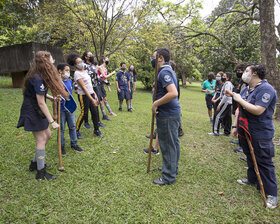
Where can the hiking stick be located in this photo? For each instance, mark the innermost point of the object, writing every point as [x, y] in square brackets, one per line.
[153, 117]
[61, 168]
[256, 168]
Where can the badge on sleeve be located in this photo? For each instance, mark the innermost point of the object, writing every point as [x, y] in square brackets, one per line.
[266, 98]
[167, 78]
[42, 88]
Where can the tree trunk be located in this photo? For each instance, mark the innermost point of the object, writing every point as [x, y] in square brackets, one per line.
[184, 81]
[268, 47]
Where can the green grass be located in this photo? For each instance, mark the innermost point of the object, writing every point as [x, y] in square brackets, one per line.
[108, 182]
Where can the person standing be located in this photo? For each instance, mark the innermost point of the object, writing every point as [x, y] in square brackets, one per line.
[168, 114]
[86, 94]
[34, 113]
[123, 87]
[257, 103]
[67, 116]
[132, 73]
[208, 87]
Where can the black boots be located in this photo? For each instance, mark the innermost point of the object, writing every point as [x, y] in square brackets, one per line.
[43, 174]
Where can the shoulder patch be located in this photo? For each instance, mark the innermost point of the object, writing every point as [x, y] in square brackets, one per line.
[167, 78]
[42, 87]
[266, 98]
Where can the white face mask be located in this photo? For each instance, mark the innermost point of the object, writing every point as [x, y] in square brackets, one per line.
[246, 77]
[80, 66]
[66, 75]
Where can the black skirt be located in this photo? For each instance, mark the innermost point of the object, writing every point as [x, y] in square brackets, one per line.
[30, 118]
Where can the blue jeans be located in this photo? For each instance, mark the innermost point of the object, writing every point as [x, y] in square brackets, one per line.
[167, 128]
[68, 117]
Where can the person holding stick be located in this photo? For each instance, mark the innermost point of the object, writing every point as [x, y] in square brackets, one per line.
[256, 108]
[34, 113]
[168, 114]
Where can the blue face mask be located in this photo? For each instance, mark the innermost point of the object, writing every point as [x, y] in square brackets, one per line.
[218, 78]
[153, 62]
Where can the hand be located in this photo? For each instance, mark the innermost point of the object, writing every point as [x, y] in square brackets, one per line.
[154, 108]
[213, 101]
[119, 90]
[207, 91]
[129, 90]
[94, 102]
[234, 132]
[237, 97]
[218, 108]
[55, 125]
[228, 93]
[134, 89]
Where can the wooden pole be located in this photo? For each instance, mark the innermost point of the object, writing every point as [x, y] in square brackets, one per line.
[256, 168]
[61, 168]
[153, 117]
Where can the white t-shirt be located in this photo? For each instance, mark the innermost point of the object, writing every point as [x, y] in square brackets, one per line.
[87, 81]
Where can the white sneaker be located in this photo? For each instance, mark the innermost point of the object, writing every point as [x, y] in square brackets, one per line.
[213, 134]
[271, 201]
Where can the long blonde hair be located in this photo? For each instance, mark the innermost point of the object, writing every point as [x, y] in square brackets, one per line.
[43, 67]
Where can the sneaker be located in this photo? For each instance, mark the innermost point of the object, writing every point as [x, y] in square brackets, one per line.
[86, 125]
[33, 166]
[79, 135]
[271, 201]
[77, 148]
[154, 151]
[245, 182]
[223, 134]
[180, 132]
[105, 117]
[120, 109]
[234, 142]
[243, 159]
[238, 150]
[43, 174]
[213, 134]
[129, 110]
[113, 114]
[154, 135]
[63, 152]
[101, 125]
[211, 121]
[98, 133]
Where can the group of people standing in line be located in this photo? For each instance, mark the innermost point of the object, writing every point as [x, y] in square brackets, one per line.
[88, 82]
[252, 103]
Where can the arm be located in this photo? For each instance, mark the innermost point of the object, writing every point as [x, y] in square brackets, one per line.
[171, 94]
[82, 84]
[134, 86]
[44, 108]
[117, 85]
[235, 123]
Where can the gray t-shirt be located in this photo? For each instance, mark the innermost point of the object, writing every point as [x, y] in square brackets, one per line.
[87, 81]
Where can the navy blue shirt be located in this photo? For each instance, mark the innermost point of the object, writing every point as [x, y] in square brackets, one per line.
[261, 127]
[218, 89]
[167, 76]
[36, 85]
[132, 79]
[123, 78]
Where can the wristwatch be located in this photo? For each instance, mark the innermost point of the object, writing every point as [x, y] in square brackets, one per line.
[233, 127]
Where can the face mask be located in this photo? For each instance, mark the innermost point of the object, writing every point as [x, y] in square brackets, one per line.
[106, 62]
[210, 80]
[223, 79]
[80, 66]
[153, 62]
[123, 68]
[246, 77]
[218, 78]
[239, 74]
[66, 75]
[91, 59]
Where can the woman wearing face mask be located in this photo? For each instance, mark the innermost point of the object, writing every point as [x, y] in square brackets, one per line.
[132, 76]
[219, 84]
[34, 114]
[208, 87]
[86, 94]
[65, 115]
[102, 72]
[257, 103]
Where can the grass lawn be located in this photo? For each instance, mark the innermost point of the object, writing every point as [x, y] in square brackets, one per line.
[108, 182]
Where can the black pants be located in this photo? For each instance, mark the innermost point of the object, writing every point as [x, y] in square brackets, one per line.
[264, 151]
[86, 104]
[224, 115]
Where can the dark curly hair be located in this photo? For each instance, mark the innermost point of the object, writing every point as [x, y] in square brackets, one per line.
[259, 69]
[242, 66]
[71, 58]
[164, 52]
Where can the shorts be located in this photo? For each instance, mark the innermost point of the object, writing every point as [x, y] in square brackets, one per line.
[208, 99]
[124, 94]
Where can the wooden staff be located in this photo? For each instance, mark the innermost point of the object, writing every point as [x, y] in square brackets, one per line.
[153, 117]
[61, 168]
[256, 168]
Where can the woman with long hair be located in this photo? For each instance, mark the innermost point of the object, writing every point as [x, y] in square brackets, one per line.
[103, 73]
[86, 94]
[34, 114]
